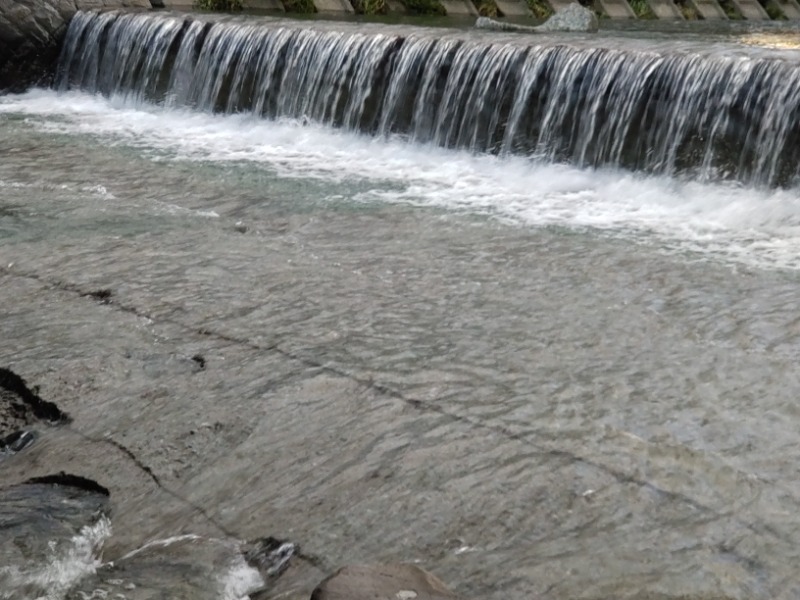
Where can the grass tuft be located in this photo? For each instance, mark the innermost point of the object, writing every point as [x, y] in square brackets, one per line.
[219, 5]
[305, 7]
[540, 9]
[642, 9]
[424, 7]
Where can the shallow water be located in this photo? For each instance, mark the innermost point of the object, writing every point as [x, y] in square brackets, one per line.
[530, 378]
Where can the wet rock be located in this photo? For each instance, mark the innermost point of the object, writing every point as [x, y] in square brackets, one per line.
[182, 567]
[20, 409]
[16, 441]
[269, 555]
[31, 33]
[52, 529]
[382, 582]
[573, 17]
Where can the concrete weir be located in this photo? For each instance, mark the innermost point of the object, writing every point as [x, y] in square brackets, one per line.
[513, 8]
[617, 9]
[790, 8]
[710, 10]
[665, 9]
[751, 10]
[461, 8]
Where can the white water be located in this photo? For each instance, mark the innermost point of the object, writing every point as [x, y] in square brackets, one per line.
[65, 567]
[756, 226]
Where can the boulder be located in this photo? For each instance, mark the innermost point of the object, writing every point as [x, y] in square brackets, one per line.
[382, 582]
[573, 17]
[31, 33]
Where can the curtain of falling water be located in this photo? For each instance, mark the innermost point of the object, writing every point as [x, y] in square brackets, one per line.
[706, 116]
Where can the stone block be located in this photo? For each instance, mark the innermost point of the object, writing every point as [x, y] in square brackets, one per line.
[790, 8]
[513, 8]
[336, 6]
[464, 8]
[665, 9]
[264, 5]
[710, 10]
[751, 10]
[617, 9]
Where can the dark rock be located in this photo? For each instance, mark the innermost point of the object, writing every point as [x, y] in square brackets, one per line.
[103, 296]
[382, 582]
[31, 33]
[17, 441]
[43, 523]
[19, 405]
[75, 481]
[269, 555]
[199, 360]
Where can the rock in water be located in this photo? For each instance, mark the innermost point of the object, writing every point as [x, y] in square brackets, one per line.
[491, 24]
[382, 582]
[31, 33]
[572, 18]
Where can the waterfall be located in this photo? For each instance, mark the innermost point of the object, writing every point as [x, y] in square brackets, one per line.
[701, 115]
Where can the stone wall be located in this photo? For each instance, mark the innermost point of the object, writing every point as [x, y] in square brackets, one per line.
[31, 32]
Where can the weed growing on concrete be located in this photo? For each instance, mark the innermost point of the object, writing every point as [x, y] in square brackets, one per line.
[642, 9]
[424, 7]
[540, 9]
[219, 5]
[299, 6]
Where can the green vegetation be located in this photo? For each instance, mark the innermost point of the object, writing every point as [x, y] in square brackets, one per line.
[730, 10]
[774, 11]
[487, 8]
[219, 5]
[424, 7]
[299, 6]
[688, 11]
[540, 9]
[642, 9]
[370, 7]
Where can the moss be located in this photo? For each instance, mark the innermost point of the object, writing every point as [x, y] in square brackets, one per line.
[730, 10]
[642, 9]
[774, 10]
[219, 5]
[540, 9]
[424, 7]
[370, 7]
[299, 6]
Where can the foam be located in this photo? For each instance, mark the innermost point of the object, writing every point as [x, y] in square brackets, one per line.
[725, 220]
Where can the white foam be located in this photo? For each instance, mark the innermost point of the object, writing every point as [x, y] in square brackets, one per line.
[760, 227]
[65, 566]
[239, 580]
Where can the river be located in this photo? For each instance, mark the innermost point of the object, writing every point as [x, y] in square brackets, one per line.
[570, 374]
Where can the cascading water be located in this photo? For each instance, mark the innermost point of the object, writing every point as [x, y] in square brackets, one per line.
[711, 116]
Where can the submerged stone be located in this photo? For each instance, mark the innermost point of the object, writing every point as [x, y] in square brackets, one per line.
[382, 582]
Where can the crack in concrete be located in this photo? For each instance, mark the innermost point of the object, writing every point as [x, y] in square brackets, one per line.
[418, 404]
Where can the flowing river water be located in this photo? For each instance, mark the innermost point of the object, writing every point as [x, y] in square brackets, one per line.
[550, 355]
